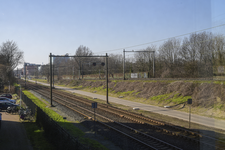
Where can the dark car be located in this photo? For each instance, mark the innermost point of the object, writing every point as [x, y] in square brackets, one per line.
[6, 95]
[5, 104]
[7, 99]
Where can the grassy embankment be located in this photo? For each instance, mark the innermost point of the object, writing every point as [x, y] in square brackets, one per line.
[169, 99]
[215, 110]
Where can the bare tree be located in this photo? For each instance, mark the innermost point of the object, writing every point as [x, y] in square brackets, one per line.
[144, 60]
[79, 62]
[218, 50]
[168, 53]
[11, 56]
[197, 54]
[115, 63]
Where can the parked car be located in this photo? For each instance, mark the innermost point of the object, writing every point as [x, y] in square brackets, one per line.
[7, 99]
[6, 95]
[5, 104]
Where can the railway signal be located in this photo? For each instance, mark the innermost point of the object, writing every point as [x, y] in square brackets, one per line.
[102, 63]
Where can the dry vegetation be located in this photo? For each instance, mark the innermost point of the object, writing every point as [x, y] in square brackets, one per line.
[208, 96]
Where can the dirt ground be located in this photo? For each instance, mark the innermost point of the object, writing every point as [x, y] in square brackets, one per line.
[12, 134]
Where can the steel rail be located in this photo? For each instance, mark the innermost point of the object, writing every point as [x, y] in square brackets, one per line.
[134, 130]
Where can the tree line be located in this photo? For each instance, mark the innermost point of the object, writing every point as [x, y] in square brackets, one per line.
[195, 56]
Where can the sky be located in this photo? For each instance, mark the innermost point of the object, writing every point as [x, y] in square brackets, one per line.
[41, 27]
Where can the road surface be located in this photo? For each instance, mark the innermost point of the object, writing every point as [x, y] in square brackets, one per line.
[12, 134]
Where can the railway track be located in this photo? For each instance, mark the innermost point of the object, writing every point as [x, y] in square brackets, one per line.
[143, 140]
[122, 118]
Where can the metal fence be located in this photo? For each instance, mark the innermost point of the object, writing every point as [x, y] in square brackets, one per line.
[54, 132]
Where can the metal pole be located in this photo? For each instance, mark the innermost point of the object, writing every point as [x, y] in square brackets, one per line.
[51, 77]
[25, 73]
[82, 70]
[106, 61]
[20, 96]
[94, 122]
[57, 73]
[189, 116]
[79, 70]
[153, 64]
[123, 64]
[73, 73]
[36, 74]
[17, 75]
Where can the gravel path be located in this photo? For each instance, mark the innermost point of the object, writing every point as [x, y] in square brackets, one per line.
[12, 134]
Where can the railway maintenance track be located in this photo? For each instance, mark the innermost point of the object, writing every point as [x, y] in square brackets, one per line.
[136, 124]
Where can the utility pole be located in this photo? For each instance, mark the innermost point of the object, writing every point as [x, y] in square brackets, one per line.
[36, 72]
[79, 69]
[106, 61]
[51, 77]
[99, 74]
[73, 73]
[82, 71]
[153, 64]
[25, 71]
[124, 64]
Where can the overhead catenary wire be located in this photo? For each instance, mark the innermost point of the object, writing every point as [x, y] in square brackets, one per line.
[132, 55]
[161, 39]
[219, 15]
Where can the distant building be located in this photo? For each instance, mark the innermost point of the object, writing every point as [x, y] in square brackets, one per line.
[59, 60]
[31, 69]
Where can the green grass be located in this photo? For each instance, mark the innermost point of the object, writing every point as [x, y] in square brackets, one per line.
[218, 106]
[175, 99]
[125, 93]
[160, 98]
[41, 80]
[37, 137]
[179, 99]
[76, 132]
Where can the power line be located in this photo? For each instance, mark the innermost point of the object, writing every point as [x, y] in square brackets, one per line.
[161, 39]
[219, 15]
